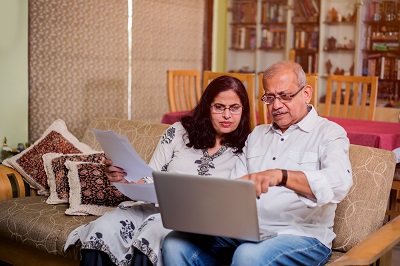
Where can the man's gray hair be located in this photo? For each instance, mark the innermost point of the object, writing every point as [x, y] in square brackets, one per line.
[278, 67]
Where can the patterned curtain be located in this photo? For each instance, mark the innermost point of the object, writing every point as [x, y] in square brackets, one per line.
[79, 58]
[167, 34]
[78, 62]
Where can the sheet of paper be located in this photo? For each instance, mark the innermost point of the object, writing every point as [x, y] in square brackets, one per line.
[142, 192]
[120, 151]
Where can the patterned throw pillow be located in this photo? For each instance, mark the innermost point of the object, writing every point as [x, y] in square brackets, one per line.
[29, 163]
[90, 190]
[57, 173]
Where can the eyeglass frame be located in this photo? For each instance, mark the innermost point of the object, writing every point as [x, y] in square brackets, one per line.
[229, 108]
[279, 98]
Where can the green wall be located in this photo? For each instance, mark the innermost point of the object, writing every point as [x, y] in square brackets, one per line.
[14, 71]
[219, 36]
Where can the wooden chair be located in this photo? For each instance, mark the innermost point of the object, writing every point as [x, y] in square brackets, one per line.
[248, 80]
[354, 97]
[263, 117]
[394, 200]
[184, 90]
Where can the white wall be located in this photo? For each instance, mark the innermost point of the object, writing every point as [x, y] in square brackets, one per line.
[14, 71]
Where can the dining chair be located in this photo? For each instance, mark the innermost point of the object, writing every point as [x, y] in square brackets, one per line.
[351, 97]
[393, 209]
[248, 80]
[184, 90]
[311, 79]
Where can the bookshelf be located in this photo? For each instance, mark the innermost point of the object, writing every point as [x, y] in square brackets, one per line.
[381, 53]
[306, 34]
[257, 34]
[349, 37]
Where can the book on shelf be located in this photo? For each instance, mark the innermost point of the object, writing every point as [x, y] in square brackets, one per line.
[307, 61]
[306, 8]
[244, 12]
[243, 38]
[273, 12]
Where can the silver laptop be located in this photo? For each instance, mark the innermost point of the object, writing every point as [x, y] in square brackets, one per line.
[208, 205]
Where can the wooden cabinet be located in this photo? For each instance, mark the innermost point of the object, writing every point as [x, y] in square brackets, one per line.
[381, 53]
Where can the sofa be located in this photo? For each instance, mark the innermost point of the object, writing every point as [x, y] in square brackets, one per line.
[33, 232]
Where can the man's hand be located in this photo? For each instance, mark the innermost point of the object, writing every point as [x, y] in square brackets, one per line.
[264, 180]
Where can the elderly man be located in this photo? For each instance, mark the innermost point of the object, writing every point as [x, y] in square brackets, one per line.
[301, 170]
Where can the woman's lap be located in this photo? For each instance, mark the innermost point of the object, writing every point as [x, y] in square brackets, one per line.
[114, 232]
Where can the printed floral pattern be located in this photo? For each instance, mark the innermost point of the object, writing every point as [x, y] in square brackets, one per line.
[206, 162]
[32, 161]
[96, 189]
[168, 136]
[61, 172]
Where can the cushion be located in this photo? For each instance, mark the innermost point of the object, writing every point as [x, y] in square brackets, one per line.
[29, 163]
[90, 190]
[57, 173]
[363, 210]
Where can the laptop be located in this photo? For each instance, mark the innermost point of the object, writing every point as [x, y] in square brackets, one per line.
[209, 205]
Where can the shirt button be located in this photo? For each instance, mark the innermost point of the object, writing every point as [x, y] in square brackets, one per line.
[273, 158]
[282, 139]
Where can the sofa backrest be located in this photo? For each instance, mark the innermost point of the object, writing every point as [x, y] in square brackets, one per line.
[363, 210]
[144, 136]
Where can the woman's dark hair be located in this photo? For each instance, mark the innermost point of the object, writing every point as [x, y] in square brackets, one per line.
[198, 124]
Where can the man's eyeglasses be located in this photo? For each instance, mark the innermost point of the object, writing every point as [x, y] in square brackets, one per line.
[284, 98]
[219, 109]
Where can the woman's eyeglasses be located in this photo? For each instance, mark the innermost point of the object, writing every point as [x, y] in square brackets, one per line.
[219, 109]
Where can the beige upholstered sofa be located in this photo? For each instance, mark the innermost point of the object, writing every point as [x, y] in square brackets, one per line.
[33, 232]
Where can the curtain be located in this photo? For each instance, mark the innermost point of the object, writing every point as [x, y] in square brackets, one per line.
[167, 34]
[79, 58]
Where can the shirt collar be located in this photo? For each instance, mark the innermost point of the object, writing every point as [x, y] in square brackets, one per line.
[306, 124]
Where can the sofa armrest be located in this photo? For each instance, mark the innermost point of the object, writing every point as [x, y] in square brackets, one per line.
[12, 184]
[377, 246]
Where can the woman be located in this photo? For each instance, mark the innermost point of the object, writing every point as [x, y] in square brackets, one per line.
[205, 142]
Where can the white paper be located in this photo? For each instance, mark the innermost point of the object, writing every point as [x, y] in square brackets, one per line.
[142, 192]
[120, 151]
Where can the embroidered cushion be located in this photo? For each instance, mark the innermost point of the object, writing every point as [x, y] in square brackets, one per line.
[57, 173]
[90, 190]
[29, 163]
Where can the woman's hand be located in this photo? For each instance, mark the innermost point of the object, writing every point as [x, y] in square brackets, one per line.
[115, 173]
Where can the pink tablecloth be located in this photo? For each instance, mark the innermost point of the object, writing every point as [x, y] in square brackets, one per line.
[384, 135]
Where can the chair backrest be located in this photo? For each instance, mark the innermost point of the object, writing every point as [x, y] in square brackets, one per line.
[263, 117]
[312, 80]
[248, 80]
[184, 90]
[351, 97]
[362, 211]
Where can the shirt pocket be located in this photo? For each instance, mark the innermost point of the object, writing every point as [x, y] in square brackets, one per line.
[304, 160]
[255, 152]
